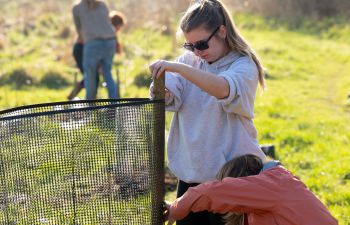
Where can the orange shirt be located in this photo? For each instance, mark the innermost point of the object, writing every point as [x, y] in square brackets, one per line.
[273, 197]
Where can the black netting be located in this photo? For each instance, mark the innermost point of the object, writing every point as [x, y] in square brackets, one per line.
[83, 162]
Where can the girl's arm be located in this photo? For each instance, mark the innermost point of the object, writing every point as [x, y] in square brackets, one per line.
[248, 194]
[208, 82]
[234, 88]
[77, 22]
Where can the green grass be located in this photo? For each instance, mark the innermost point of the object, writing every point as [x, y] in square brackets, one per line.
[57, 162]
[304, 112]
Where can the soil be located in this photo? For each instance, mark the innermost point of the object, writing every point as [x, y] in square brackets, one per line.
[170, 180]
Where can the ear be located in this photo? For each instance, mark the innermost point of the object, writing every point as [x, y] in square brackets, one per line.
[222, 32]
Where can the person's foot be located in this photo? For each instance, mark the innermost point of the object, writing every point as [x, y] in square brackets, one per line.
[70, 97]
[75, 91]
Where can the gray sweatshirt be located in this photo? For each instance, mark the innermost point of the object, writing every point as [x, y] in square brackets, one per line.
[206, 132]
[92, 24]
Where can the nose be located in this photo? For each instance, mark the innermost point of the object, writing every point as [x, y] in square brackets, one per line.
[197, 52]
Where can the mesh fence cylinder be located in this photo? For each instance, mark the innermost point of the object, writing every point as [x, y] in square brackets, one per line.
[82, 162]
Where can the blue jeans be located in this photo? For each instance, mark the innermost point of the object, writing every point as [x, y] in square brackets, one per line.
[78, 49]
[100, 51]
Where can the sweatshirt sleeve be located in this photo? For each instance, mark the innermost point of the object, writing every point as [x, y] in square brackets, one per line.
[248, 194]
[175, 83]
[242, 77]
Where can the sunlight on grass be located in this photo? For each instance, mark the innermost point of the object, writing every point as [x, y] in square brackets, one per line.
[304, 112]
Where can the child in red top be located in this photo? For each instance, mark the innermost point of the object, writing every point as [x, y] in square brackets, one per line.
[255, 194]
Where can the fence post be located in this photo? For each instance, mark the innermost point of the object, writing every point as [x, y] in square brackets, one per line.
[159, 88]
[159, 190]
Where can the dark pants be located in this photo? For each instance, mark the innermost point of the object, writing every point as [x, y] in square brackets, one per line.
[78, 49]
[199, 218]
[78, 55]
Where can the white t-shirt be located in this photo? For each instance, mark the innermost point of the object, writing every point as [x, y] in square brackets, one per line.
[206, 132]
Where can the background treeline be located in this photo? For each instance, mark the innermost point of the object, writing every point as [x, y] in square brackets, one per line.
[294, 9]
[166, 13]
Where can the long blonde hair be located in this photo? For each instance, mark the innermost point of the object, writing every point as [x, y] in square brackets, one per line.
[242, 166]
[211, 14]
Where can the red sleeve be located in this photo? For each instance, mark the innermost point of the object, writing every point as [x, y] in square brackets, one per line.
[245, 194]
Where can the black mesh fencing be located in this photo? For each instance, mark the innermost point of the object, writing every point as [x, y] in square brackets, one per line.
[82, 162]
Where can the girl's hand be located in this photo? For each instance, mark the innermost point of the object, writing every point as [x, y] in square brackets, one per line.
[167, 214]
[160, 66]
[151, 93]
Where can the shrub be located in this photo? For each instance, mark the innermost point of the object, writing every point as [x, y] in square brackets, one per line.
[65, 33]
[143, 79]
[54, 80]
[18, 77]
[2, 42]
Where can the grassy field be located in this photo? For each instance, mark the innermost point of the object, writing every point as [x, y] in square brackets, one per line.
[305, 111]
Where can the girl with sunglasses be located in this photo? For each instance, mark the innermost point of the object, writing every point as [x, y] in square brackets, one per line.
[211, 90]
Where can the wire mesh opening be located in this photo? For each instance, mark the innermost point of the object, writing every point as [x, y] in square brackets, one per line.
[82, 162]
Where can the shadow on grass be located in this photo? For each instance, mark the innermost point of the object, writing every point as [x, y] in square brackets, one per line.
[143, 79]
[21, 78]
[54, 80]
[17, 78]
[170, 181]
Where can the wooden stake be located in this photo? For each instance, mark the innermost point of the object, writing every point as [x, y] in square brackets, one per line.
[159, 87]
[159, 141]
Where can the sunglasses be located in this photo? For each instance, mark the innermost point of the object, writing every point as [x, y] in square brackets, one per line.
[200, 45]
